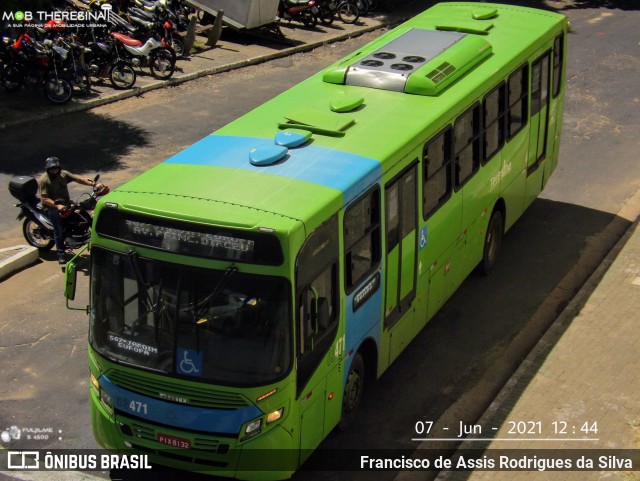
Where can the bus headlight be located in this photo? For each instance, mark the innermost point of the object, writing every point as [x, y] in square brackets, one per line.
[104, 397]
[106, 401]
[274, 416]
[95, 383]
[253, 427]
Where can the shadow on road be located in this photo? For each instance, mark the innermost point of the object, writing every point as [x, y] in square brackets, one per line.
[94, 149]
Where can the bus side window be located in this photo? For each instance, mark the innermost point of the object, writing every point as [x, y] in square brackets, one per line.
[518, 93]
[467, 144]
[558, 62]
[317, 316]
[362, 238]
[494, 117]
[436, 161]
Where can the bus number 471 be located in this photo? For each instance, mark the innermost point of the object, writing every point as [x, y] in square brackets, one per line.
[138, 407]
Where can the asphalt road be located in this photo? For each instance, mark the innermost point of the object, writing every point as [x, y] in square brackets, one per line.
[455, 366]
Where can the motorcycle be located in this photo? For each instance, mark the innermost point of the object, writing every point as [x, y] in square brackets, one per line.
[103, 61]
[160, 59]
[349, 11]
[304, 11]
[73, 66]
[37, 228]
[326, 11]
[36, 65]
[157, 25]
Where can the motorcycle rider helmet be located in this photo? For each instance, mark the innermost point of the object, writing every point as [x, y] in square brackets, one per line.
[51, 163]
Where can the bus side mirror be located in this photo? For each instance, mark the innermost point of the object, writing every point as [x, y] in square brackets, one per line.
[70, 277]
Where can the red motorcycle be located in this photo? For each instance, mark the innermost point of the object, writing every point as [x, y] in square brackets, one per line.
[303, 11]
[36, 64]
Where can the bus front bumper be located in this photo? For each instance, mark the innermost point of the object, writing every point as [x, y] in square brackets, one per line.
[268, 456]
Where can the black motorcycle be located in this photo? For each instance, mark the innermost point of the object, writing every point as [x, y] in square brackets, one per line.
[37, 228]
[103, 60]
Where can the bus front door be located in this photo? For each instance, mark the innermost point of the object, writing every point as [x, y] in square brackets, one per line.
[401, 259]
[538, 127]
[318, 331]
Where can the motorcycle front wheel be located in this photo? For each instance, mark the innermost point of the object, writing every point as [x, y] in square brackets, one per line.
[348, 12]
[309, 19]
[162, 63]
[325, 15]
[36, 236]
[122, 76]
[177, 44]
[12, 78]
[58, 90]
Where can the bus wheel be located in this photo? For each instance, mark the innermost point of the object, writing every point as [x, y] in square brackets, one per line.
[352, 392]
[492, 242]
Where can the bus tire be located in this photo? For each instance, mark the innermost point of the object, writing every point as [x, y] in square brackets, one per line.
[492, 242]
[352, 392]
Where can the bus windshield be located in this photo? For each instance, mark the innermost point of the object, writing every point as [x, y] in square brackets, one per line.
[223, 327]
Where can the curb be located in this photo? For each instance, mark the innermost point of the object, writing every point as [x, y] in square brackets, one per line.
[16, 258]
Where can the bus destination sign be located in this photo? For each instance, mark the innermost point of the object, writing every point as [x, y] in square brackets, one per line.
[191, 239]
[181, 240]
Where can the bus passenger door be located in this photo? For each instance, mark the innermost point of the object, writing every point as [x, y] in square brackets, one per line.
[317, 332]
[401, 241]
[538, 127]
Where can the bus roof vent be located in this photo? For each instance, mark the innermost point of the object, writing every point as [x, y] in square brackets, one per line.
[422, 62]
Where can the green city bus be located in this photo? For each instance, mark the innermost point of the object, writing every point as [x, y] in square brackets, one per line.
[245, 290]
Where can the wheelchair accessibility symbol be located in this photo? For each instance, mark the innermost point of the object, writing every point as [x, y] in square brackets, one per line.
[189, 362]
[423, 237]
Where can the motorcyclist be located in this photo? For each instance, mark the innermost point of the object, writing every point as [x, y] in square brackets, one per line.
[55, 196]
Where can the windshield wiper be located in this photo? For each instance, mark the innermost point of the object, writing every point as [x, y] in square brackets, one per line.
[149, 305]
[199, 308]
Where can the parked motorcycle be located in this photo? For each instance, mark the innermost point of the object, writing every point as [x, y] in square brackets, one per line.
[160, 59]
[178, 11]
[73, 66]
[303, 11]
[103, 61]
[158, 25]
[37, 228]
[36, 65]
[349, 11]
[326, 11]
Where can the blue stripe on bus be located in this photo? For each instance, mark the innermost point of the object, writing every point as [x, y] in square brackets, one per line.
[346, 172]
[365, 321]
[221, 421]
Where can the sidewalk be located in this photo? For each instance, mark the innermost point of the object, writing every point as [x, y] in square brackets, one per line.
[581, 381]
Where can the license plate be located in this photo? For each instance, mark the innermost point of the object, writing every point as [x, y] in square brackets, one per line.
[174, 441]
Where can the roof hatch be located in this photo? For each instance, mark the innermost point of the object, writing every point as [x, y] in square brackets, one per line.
[422, 62]
[317, 121]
